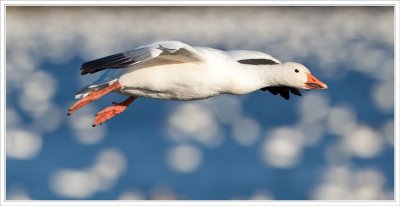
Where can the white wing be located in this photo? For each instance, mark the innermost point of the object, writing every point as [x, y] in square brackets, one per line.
[252, 57]
[173, 51]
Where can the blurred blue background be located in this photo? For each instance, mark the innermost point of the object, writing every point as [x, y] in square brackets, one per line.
[332, 144]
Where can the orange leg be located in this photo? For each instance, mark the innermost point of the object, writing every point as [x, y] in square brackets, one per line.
[111, 111]
[94, 95]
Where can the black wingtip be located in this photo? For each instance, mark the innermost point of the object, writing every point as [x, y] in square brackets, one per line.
[113, 61]
[285, 94]
[258, 61]
[295, 91]
[283, 91]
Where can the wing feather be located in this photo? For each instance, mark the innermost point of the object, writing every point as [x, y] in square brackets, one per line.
[283, 91]
[252, 57]
[167, 50]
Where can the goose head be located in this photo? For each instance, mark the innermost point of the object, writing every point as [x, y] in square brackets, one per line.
[298, 76]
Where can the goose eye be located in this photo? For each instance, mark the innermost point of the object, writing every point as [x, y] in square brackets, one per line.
[296, 70]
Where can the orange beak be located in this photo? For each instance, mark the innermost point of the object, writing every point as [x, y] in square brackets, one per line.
[314, 83]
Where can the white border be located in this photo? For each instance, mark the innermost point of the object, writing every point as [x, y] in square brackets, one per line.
[2, 104]
[201, 3]
[395, 202]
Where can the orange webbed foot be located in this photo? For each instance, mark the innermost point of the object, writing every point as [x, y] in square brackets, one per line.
[111, 111]
[79, 104]
[93, 95]
[108, 113]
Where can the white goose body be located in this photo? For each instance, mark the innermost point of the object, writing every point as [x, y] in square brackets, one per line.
[181, 81]
[217, 74]
[174, 70]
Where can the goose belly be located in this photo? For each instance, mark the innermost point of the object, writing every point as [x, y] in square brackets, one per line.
[181, 81]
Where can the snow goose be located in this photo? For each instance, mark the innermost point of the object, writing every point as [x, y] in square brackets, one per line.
[173, 70]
